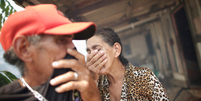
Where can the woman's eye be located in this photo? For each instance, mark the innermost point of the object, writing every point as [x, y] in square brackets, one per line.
[88, 52]
[99, 49]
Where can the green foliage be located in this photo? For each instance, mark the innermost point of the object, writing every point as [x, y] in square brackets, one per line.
[11, 76]
[6, 9]
[6, 77]
[3, 80]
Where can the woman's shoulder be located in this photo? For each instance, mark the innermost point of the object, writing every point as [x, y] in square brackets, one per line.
[139, 69]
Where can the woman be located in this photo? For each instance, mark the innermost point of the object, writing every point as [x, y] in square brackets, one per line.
[119, 80]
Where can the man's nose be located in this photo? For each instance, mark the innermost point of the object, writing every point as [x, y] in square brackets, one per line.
[71, 45]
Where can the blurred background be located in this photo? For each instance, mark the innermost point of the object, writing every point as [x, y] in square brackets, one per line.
[163, 35]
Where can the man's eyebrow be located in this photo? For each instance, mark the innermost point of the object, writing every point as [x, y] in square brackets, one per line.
[69, 36]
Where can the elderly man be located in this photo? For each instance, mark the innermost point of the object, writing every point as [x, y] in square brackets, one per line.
[36, 40]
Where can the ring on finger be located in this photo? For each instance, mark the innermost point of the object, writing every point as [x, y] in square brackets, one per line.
[75, 76]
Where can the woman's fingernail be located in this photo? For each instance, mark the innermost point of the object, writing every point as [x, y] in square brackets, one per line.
[102, 51]
[104, 55]
[95, 51]
[54, 64]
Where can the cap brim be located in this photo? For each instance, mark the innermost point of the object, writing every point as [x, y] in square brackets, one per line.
[81, 30]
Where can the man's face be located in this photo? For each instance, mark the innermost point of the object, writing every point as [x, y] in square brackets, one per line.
[49, 49]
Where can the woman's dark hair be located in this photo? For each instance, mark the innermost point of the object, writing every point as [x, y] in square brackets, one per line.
[110, 37]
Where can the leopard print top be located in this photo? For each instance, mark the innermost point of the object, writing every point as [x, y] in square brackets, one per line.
[140, 84]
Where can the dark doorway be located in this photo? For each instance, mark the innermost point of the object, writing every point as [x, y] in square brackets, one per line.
[187, 46]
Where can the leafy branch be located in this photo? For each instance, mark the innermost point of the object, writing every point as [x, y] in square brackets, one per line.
[6, 8]
[6, 77]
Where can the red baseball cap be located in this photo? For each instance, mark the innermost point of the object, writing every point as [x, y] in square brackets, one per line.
[42, 19]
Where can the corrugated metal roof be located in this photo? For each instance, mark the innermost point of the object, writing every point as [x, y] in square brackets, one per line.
[109, 13]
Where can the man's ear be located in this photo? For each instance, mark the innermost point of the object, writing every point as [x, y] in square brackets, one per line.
[21, 48]
[117, 48]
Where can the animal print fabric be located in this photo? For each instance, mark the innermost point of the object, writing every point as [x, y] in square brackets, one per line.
[140, 84]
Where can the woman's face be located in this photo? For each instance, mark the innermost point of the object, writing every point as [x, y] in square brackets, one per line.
[96, 43]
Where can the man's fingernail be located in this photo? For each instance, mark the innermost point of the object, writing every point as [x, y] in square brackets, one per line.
[54, 64]
[57, 89]
[52, 81]
[69, 49]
